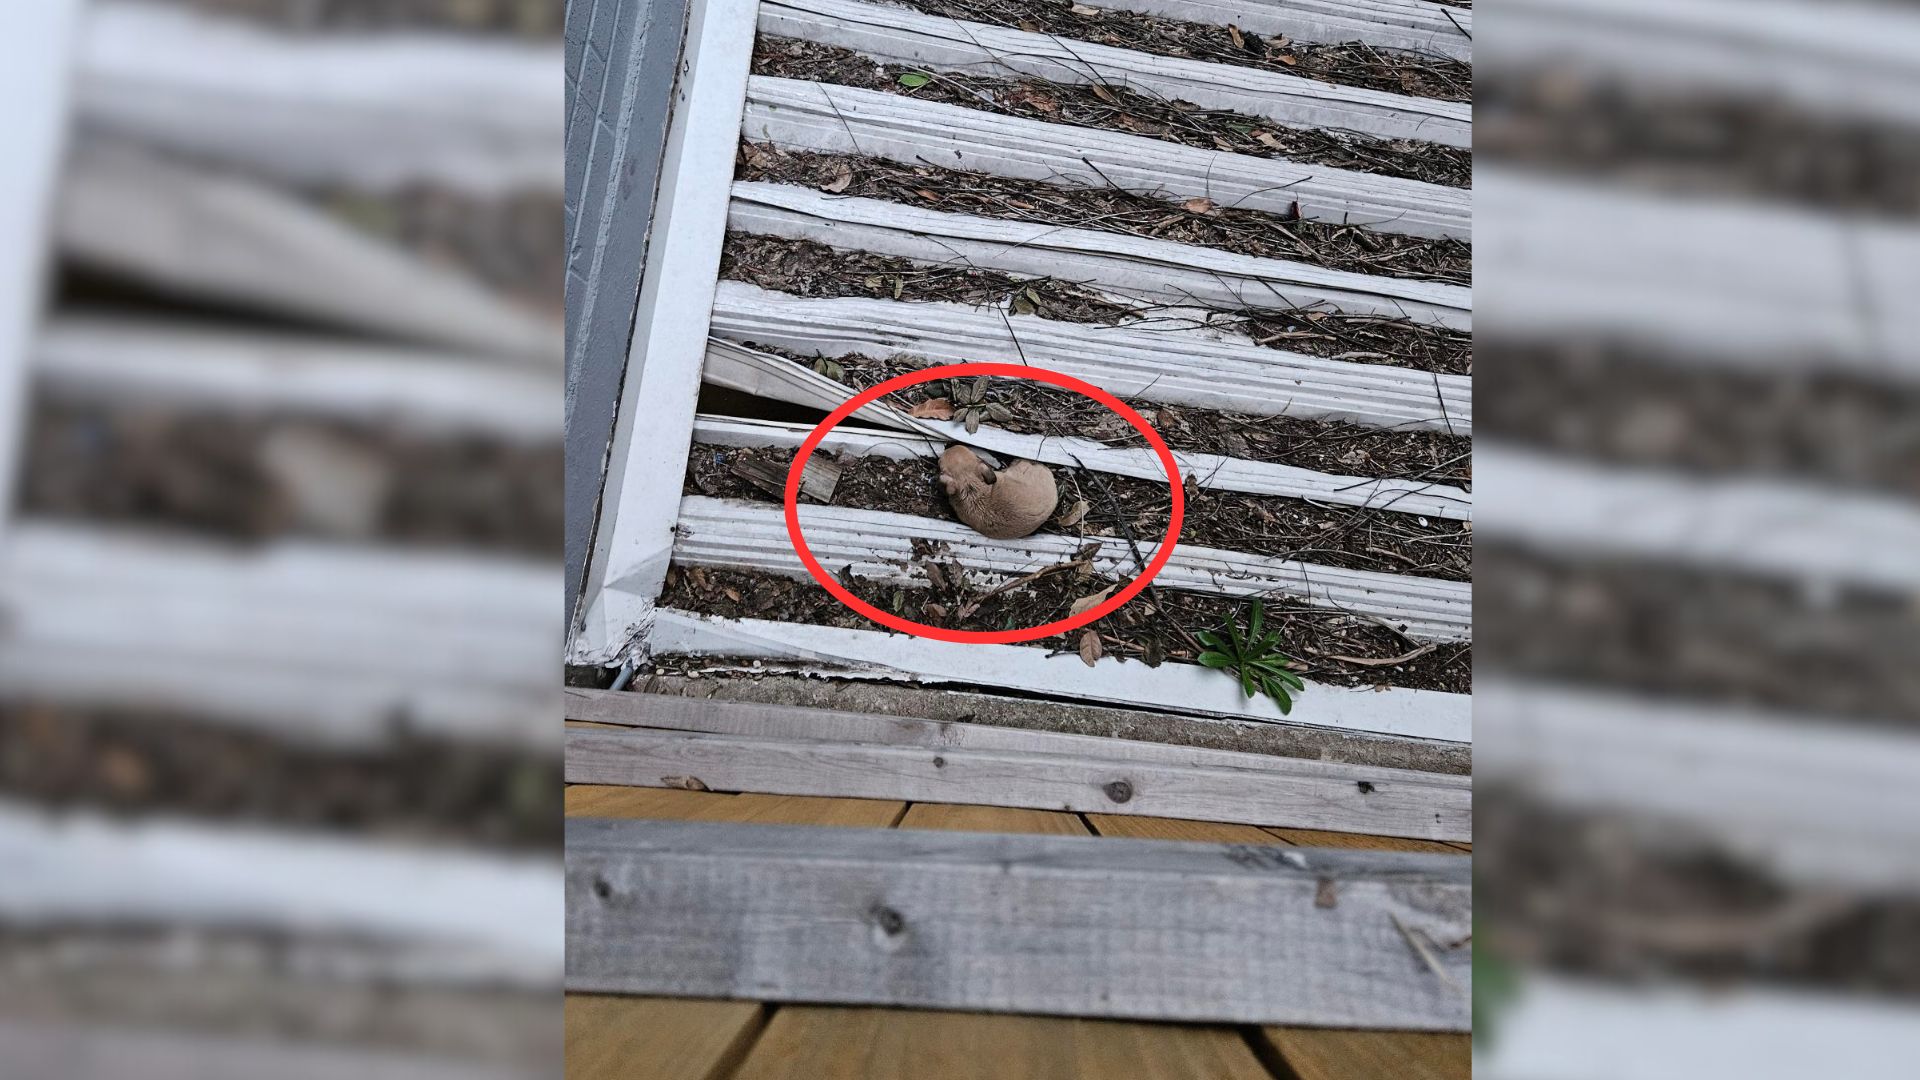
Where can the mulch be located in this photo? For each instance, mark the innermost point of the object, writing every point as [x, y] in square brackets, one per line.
[1196, 221]
[213, 473]
[1114, 108]
[811, 269]
[1624, 404]
[142, 762]
[525, 18]
[1397, 71]
[1118, 506]
[1697, 142]
[1701, 634]
[1597, 894]
[1155, 628]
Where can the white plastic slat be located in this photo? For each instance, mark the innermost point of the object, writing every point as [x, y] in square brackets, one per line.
[1155, 271]
[1199, 368]
[731, 534]
[848, 120]
[476, 113]
[320, 642]
[1387, 24]
[770, 376]
[903, 36]
[1185, 688]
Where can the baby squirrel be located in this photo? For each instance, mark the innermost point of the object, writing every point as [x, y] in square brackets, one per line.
[1009, 504]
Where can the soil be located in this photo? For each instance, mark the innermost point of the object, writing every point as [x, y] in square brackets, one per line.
[1114, 108]
[1111, 209]
[255, 478]
[1595, 894]
[1154, 628]
[1117, 505]
[1616, 403]
[414, 788]
[807, 268]
[1396, 71]
[1697, 142]
[525, 18]
[1700, 634]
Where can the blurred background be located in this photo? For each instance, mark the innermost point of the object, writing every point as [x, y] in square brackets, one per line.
[279, 538]
[280, 393]
[1697, 711]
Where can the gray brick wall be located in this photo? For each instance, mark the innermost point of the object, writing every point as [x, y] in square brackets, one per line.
[622, 56]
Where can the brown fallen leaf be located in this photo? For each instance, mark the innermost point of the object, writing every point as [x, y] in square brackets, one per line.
[938, 408]
[1200, 206]
[1072, 515]
[1100, 91]
[1288, 60]
[840, 182]
[1082, 9]
[1088, 603]
[684, 783]
[1268, 139]
[1234, 33]
[1090, 648]
[733, 594]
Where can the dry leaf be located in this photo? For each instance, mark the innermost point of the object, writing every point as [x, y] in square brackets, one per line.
[934, 611]
[1268, 139]
[1100, 91]
[1082, 9]
[927, 195]
[1088, 603]
[1090, 648]
[733, 594]
[1072, 515]
[840, 182]
[1234, 33]
[1289, 60]
[938, 408]
[1200, 206]
[684, 783]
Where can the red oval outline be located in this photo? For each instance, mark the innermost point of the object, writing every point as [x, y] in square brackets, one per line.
[983, 637]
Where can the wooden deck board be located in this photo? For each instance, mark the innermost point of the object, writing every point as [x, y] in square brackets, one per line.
[607, 800]
[616, 1038]
[1156, 828]
[816, 1043]
[1322, 838]
[1321, 1054]
[992, 819]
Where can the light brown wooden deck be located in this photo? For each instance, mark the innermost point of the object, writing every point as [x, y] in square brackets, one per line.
[631, 1038]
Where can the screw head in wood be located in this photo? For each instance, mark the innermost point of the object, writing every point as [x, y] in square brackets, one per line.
[1119, 791]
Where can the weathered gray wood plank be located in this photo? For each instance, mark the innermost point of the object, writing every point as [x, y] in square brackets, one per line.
[1012, 923]
[797, 766]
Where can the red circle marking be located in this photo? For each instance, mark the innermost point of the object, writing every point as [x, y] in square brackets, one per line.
[983, 637]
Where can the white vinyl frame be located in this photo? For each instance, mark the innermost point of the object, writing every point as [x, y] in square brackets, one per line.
[633, 537]
[35, 84]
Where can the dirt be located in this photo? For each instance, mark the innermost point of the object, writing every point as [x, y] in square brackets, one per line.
[1110, 209]
[1116, 505]
[525, 18]
[1154, 628]
[140, 762]
[1114, 108]
[1616, 403]
[1595, 894]
[255, 478]
[1396, 71]
[806, 268]
[1700, 634]
[1697, 142]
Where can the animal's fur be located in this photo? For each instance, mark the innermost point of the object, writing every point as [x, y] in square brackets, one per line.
[1005, 505]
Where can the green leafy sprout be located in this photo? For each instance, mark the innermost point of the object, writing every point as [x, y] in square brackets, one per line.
[1253, 659]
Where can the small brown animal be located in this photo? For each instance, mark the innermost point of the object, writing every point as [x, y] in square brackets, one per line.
[1004, 505]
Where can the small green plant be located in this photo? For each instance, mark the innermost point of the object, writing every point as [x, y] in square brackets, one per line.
[1253, 659]
[970, 404]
